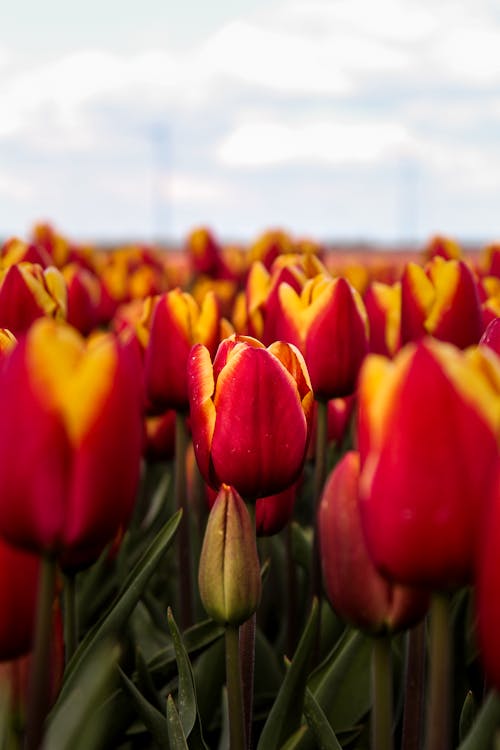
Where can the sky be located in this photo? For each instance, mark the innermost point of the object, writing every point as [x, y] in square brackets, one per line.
[339, 120]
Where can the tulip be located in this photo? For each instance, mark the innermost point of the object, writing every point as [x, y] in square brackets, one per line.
[70, 439]
[491, 336]
[328, 323]
[427, 431]
[229, 572]
[383, 306]
[441, 300]
[28, 292]
[250, 414]
[177, 323]
[84, 298]
[356, 590]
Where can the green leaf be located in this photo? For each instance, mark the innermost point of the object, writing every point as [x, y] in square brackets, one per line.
[343, 691]
[294, 741]
[186, 696]
[196, 638]
[175, 731]
[323, 733]
[301, 546]
[467, 715]
[484, 728]
[153, 719]
[286, 712]
[76, 724]
[115, 618]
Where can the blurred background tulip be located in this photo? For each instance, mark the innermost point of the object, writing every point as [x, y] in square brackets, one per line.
[71, 438]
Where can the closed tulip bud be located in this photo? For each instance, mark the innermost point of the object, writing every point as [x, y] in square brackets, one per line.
[427, 433]
[250, 415]
[355, 589]
[441, 300]
[177, 323]
[328, 323]
[28, 292]
[70, 438]
[272, 513]
[229, 572]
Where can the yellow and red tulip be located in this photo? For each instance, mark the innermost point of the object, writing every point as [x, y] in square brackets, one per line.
[328, 323]
[250, 414]
[427, 433]
[71, 438]
[177, 324]
[383, 307]
[355, 589]
[28, 292]
[441, 300]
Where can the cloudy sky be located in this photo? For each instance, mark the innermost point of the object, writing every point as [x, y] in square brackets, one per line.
[336, 119]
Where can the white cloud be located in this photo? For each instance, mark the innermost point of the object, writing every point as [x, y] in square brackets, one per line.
[321, 142]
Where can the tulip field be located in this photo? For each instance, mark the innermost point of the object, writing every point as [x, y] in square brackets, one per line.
[249, 495]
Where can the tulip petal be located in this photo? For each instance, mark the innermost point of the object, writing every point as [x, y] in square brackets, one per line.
[201, 390]
[260, 432]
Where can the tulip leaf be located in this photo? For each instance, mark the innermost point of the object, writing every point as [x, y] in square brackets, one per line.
[467, 715]
[119, 611]
[323, 733]
[186, 696]
[153, 719]
[76, 724]
[485, 725]
[175, 732]
[301, 546]
[294, 741]
[196, 638]
[285, 714]
[343, 690]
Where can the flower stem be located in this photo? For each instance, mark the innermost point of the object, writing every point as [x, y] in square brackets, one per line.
[414, 688]
[438, 723]
[38, 698]
[70, 616]
[184, 539]
[247, 657]
[381, 720]
[234, 689]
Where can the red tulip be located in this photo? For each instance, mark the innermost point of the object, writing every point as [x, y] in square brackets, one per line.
[355, 589]
[250, 414]
[328, 323]
[70, 438]
[441, 300]
[28, 292]
[427, 434]
[383, 306]
[177, 323]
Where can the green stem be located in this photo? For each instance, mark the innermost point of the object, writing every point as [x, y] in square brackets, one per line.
[414, 688]
[382, 713]
[247, 656]
[38, 698]
[234, 689]
[184, 538]
[70, 616]
[438, 723]
[292, 601]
